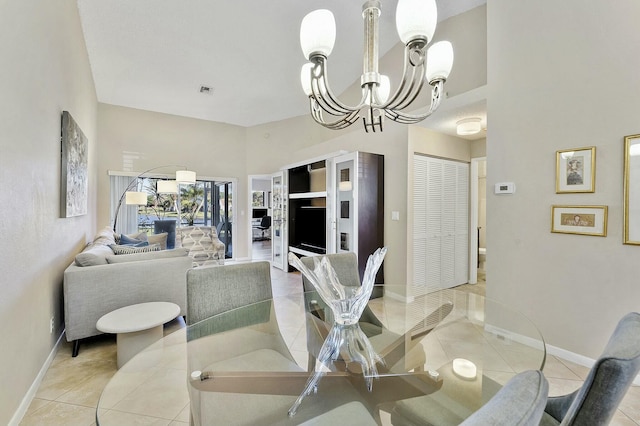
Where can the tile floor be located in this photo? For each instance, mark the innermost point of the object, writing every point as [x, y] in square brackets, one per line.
[71, 388]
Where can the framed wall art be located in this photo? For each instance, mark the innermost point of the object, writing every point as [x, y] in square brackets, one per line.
[576, 170]
[583, 220]
[632, 189]
[74, 176]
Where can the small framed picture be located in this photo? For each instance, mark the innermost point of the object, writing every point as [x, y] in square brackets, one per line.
[583, 220]
[576, 170]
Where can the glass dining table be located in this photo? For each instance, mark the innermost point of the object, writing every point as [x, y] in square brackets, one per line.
[250, 365]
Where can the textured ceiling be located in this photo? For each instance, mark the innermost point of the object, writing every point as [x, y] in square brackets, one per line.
[155, 54]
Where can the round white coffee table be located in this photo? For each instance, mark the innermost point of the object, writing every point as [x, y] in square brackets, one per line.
[137, 326]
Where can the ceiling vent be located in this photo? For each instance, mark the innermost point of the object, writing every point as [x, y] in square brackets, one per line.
[206, 90]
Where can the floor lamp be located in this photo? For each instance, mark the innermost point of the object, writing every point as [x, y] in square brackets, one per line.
[131, 196]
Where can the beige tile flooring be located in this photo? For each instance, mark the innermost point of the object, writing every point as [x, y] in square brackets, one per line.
[71, 388]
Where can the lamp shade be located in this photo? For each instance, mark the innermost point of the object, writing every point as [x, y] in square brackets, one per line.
[167, 187]
[136, 198]
[416, 18]
[439, 61]
[384, 88]
[318, 33]
[186, 176]
[468, 126]
[305, 78]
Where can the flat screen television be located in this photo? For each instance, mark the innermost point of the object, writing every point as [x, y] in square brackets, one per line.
[310, 229]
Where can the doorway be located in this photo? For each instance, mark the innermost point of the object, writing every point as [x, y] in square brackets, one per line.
[478, 199]
[260, 214]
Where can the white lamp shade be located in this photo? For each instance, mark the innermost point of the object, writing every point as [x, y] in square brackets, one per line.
[186, 176]
[439, 61]
[384, 88]
[136, 198]
[167, 187]
[468, 126]
[416, 18]
[318, 33]
[305, 78]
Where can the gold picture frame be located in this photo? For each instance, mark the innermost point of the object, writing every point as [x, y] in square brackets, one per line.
[631, 230]
[576, 170]
[582, 220]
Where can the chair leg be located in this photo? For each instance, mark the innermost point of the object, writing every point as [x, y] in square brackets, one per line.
[76, 348]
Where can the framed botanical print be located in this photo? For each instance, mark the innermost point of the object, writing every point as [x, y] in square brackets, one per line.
[576, 170]
[583, 220]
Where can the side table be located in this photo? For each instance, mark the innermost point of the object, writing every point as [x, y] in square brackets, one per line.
[137, 326]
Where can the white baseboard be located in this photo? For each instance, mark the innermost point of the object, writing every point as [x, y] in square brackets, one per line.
[578, 359]
[33, 389]
[398, 297]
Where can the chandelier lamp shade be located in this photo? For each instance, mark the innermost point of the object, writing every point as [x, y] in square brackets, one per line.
[416, 23]
[131, 195]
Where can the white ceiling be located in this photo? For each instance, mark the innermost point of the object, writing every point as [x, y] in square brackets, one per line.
[155, 55]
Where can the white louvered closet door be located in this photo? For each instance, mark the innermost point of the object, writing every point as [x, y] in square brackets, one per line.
[440, 224]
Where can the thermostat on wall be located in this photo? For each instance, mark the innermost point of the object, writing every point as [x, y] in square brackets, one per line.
[505, 188]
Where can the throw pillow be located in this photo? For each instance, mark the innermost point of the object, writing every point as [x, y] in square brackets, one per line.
[163, 254]
[125, 240]
[93, 255]
[119, 249]
[105, 237]
[159, 239]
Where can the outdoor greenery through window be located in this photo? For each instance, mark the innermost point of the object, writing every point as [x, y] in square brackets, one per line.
[205, 203]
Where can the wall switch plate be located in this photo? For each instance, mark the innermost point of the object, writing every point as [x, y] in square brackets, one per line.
[504, 188]
[51, 323]
[395, 215]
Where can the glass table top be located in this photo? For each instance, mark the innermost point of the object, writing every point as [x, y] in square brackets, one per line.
[248, 365]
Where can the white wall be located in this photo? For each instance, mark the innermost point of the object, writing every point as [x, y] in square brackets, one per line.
[561, 75]
[45, 70]
[137, 140]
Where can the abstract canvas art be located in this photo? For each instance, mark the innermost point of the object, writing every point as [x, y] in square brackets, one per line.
[74, 172]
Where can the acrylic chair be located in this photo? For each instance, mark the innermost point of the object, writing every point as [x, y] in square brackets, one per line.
[607, 383]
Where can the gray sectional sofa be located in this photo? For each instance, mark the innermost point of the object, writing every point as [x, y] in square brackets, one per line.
[100, 281]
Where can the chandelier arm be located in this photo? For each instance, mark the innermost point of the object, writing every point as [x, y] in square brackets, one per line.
[344, 122]
[404, 118]
[326, 99]
[414, 72]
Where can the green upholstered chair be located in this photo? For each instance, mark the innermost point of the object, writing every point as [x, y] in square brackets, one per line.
[607, 383]
[520, 402]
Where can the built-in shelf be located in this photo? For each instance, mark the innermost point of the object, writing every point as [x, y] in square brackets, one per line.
[301, 195]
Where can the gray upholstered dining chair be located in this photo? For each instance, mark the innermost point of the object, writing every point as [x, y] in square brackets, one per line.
[246, 338]
[520, 402]
[606, 384]
[212, 290]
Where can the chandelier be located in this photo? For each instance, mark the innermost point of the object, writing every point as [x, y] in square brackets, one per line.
[416, 22]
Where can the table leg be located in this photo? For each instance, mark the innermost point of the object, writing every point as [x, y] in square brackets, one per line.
[129, 344]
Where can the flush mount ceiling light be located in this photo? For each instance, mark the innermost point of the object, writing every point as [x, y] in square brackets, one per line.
[416, 22]
[468, 126]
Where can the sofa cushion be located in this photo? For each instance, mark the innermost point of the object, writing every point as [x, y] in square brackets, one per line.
[118, 249]
[105, 237]
[159, 239]
[135, 257]
[95, 254]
